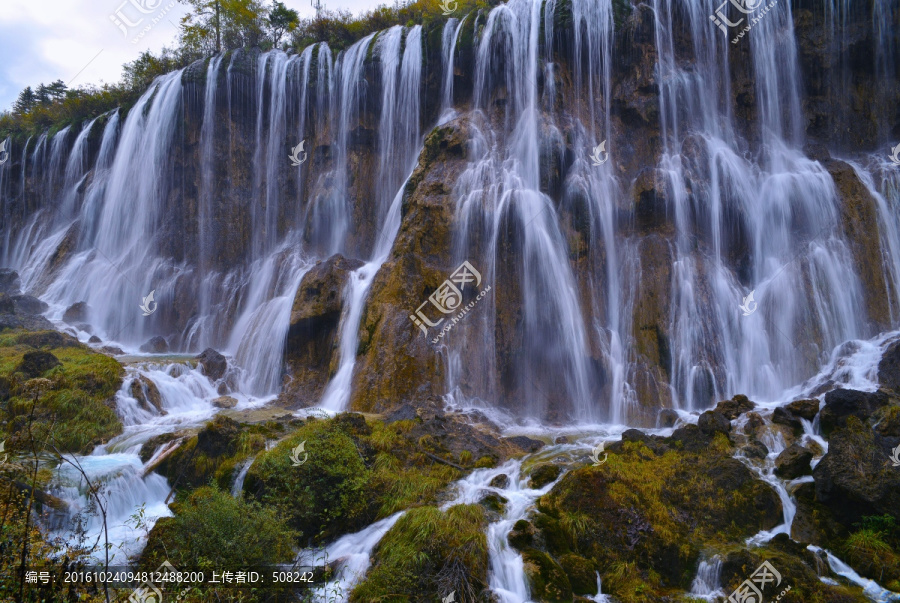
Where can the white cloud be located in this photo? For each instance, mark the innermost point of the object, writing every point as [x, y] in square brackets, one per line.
[76, 40]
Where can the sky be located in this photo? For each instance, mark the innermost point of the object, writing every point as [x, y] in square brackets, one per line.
[78, 42]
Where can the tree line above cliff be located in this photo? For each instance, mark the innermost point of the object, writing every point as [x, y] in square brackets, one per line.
[211, 27]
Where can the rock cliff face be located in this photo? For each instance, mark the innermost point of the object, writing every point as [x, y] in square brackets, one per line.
[610, 295]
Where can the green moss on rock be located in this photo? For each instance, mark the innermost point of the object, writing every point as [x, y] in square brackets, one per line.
[427, 555]
[73, 392]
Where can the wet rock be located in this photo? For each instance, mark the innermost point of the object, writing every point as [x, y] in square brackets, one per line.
[735, 407]
[650, 325]
[651, 199]
[34, 364]
[112, 350]
[713, 421]
[494, 503]
[525, 443]
[155, 345]
[755, 450]
[11, 319]
[887, 421]
[793, 462]
[522, 534]
[224, 402]
[543, 474]
[213, 363]
[581, 572]
[754, 423]
[855, 478]
[147, 394]
[546, 578]
[223, 389]
[667, 418]
[859, 219]
[840, 404]
[805, 409]
[95, 339]
[889, 368]
[814, 523]
[500, 481]
[654, 443]
[28, 304]
[76, 313]
[691, 438]
[782, 416]
[312, 340]
[9, 281]
[404, 413]
[561, 440]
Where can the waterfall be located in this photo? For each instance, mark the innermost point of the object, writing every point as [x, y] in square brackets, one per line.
[707, 584]
[449, 37]
[405, 150]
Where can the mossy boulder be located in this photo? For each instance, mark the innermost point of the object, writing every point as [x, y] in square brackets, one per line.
[643, 517]
[213, 453]
[427, 555]
[324, 494]
[211, 530]
[36, 363]
[543, 474]
[855, 478]
[71, 387]
[546, 578]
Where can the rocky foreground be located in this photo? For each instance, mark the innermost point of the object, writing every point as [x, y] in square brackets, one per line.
[642, 521]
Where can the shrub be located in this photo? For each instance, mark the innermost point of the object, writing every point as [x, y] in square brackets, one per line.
[212, 530]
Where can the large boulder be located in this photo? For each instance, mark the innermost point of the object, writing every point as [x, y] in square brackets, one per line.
[889, 368]
[855, 478]
[147, 394]
[713, 421]
[155, 345]
[36, 363]
[805, 409]
[843, 403]
[76, 313]
[213, 363]
[313, 338]
[9, 281]
[735, 407]
[793, 462]
[28, 304]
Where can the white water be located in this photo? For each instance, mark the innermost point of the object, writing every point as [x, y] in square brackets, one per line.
[707, 585]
